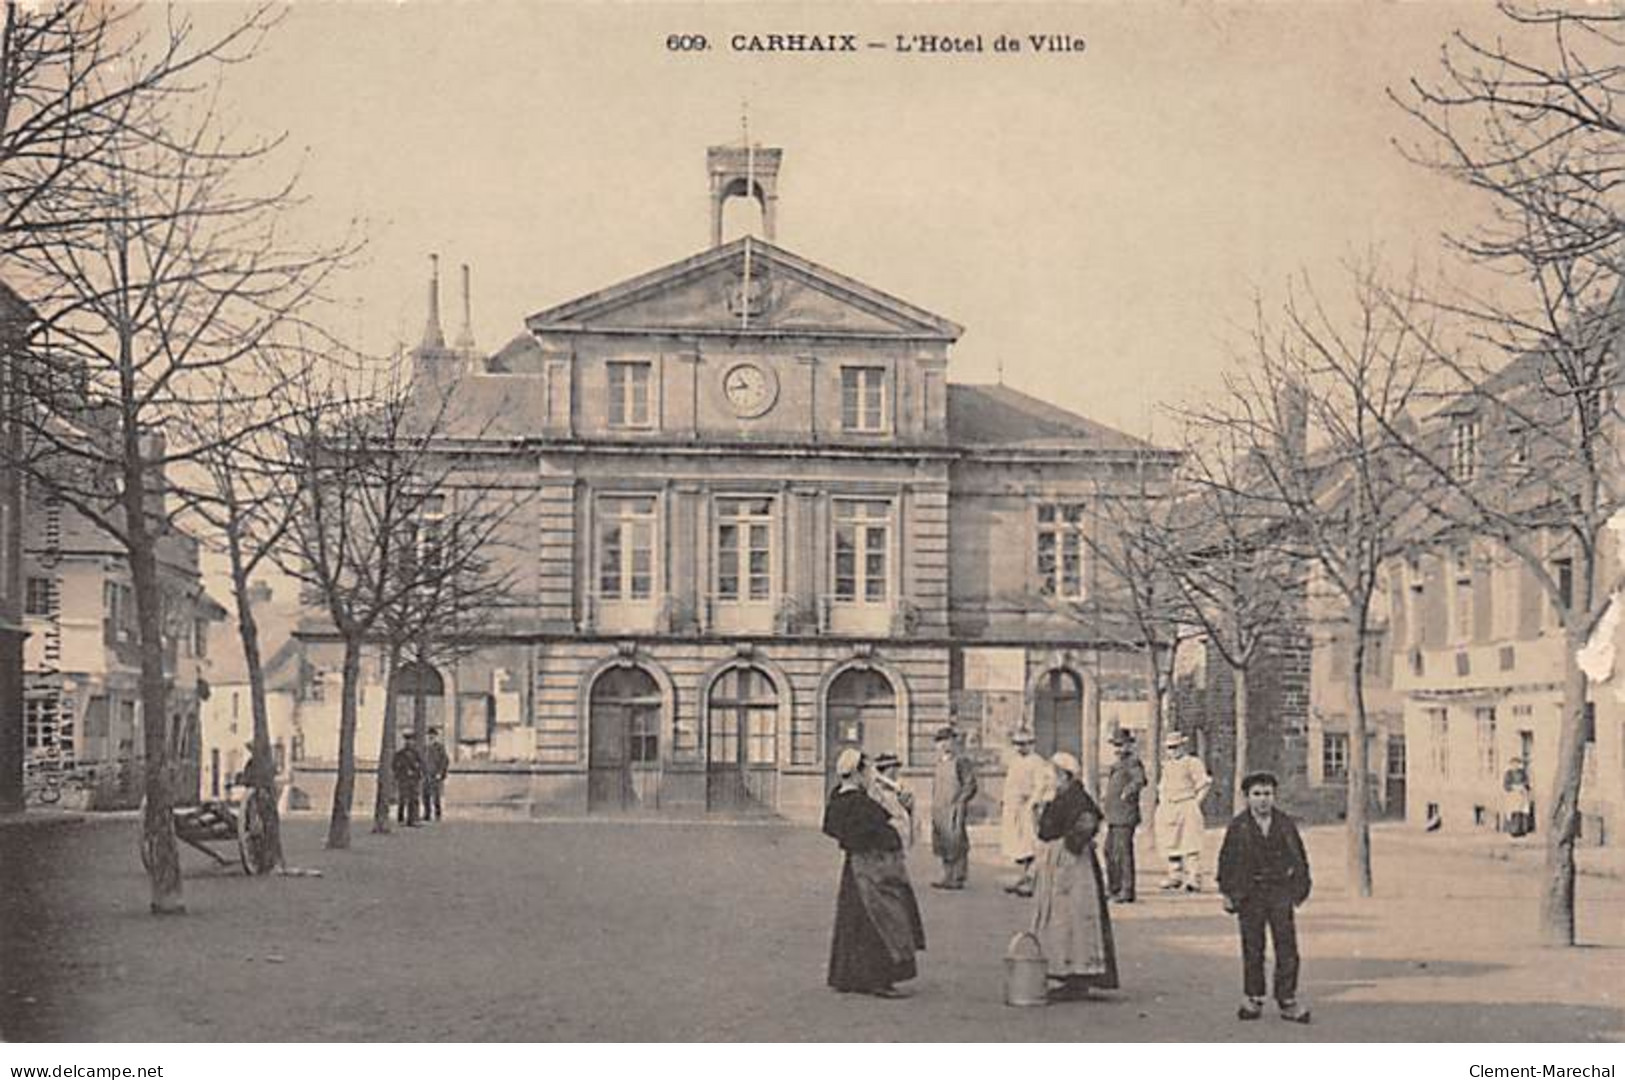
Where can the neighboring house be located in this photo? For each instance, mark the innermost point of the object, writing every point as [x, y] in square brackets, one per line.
[757, 523]
[16, 322]
[1480, 653]
[82, 658]
[228, 714]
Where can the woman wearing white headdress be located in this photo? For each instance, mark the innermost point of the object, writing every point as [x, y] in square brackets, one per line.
[877, 919]
[1070, 916]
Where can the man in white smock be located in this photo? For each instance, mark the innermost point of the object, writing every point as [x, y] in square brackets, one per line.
[1029, 783]
[1180, 789]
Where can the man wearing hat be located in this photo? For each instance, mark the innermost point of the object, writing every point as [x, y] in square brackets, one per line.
[407, 765]
[1180, 790]
[1028, 782]
[953, 786]
[1123, 786]
[436, 764]
[886, 788]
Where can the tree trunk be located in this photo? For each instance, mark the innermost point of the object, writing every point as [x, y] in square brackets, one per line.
[1238, 677]
[338, 827]
[1091, 735]
[1359, 819]
[264, 774]
[420, 701]
[1152, 753]
[158, 852]
[1563, 820]
[385, 792]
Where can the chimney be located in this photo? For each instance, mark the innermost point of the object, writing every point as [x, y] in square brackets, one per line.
[1293, 410]
[465, 337]
[433, 339]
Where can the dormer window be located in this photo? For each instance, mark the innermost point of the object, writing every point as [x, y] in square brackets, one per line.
[629, 397]
[1464, 449]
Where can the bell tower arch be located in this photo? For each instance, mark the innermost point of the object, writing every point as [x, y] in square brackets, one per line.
[748, 171]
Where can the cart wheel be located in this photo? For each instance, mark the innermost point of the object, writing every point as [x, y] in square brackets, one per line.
[251, 839]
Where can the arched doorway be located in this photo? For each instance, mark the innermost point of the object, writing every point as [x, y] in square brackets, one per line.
[1058, 714]
[414, 682]
[860, 710]
[742, 741]
[623, 747]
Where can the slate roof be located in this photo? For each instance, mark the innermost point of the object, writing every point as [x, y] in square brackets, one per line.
[999, 416]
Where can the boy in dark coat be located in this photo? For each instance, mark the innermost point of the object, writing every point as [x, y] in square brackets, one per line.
[1264, 875]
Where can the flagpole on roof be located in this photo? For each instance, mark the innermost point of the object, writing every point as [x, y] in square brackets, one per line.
[750, 193]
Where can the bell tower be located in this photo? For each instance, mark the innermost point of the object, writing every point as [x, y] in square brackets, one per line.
[744, 170]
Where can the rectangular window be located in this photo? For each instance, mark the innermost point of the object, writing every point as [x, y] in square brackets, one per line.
[862, 550]
[41, 727]
[1396, 755]
[1563, 575]
[1461, 595]
[863, 399]
[200, 638]
[1439, 740]
[1415, 597]
[1464, 449]
[626, 539]
[744, 549]
[1334, 755]
[1484, 720]
[1061, 550]
[37, 598]
[629, 393]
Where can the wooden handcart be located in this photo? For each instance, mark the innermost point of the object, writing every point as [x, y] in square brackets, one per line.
[241, 824]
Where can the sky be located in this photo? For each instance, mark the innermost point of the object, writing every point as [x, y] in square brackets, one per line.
[1098, 220]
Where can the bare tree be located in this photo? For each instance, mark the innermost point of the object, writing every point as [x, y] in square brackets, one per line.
[457, 580]
[245, 497]
[1342, 386]
[1131, 540]
[1233, 578]
[376, 461]
[1534, 121]
[77, 79]
[148, 314]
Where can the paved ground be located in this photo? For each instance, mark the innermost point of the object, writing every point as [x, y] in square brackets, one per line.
[616, 931]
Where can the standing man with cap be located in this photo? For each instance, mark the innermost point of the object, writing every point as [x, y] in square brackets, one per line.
[953, 786]
[1123, 787]
[407, 765]
[1179, 815]
[1028, 782]
[435, 767]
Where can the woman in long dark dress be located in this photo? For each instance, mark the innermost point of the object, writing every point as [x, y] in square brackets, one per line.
[1071, 919]
[877, 920]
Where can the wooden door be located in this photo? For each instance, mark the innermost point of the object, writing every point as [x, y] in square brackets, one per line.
[742, 742]
[623, 741]
[1058, 715]
[861, 711]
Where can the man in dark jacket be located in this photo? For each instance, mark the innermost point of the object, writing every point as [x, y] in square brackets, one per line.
[1264, 875]
[407, 765]
[1122, 810]
[436, 764]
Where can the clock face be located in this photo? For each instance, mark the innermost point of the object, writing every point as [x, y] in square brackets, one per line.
[750, 389]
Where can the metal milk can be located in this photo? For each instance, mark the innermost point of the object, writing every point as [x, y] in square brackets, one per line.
[1026, 972]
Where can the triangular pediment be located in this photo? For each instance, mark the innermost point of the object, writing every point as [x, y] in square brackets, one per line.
[746, 287]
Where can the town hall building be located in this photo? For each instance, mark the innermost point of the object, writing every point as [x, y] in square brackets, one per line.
[755, 522]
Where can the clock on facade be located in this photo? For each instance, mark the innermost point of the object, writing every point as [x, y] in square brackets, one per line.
[750, 389]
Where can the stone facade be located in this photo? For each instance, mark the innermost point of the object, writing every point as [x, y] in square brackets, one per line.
[754, 522]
